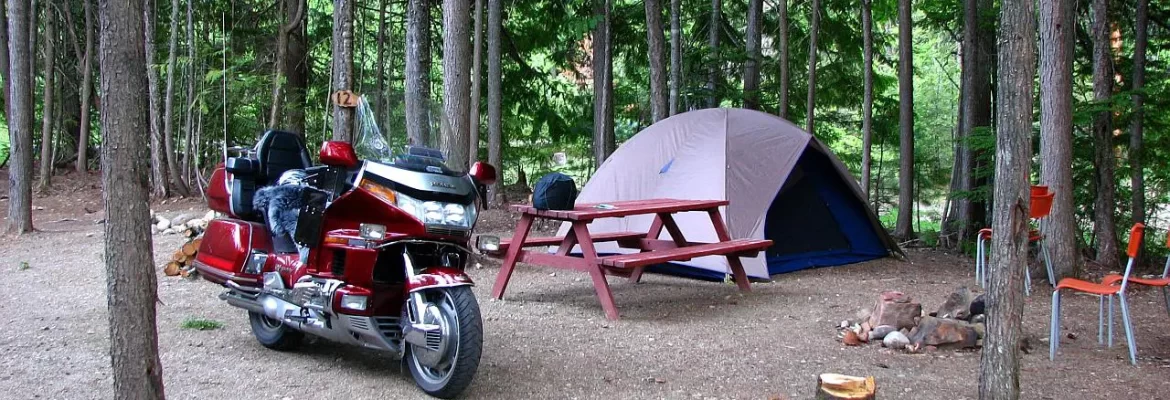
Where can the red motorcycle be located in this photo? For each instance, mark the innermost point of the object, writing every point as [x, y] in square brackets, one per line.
[376, 258]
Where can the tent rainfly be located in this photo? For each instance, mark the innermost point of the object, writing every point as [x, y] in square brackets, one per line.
[782, 184]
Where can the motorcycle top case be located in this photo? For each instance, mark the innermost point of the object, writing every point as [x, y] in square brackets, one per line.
[224, 251]
[218, 192]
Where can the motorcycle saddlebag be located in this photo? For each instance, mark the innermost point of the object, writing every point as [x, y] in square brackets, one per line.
[226, 248]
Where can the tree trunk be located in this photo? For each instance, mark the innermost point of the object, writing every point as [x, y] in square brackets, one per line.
[714, 26]
[457, 79]
[656, 43]
[160, 176]
[476, 78]
[495, 132]
[904, 229]
[1104, 223]
[603, 138]
[814, 30]
[169, 107]
[1056, 136]
[999, 367]
[975, 113]
[296, 73]
[1136, 155]
[130, 278]
[189, 145]
[380, 79]
[342, 66]
[47, 105]
[782, 109]
[292, 10]
[20, 117]
[675, 54]
[418, 71]
[751, 66]
[867, 100]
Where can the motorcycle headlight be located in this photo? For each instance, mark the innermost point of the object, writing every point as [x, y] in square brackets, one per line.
[437, 212]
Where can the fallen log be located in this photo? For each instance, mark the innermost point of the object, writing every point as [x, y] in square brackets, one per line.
[832, 386]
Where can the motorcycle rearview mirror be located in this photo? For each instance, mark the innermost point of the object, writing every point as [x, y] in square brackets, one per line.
[335, 153]
[483, 173]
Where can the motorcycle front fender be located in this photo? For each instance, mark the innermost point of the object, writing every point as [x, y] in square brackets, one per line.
[438, 277]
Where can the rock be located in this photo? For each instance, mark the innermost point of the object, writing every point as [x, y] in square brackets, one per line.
[980, 329]
[210, 215]
[164, 224]
[895, 309]
[851, 338]
[942, 332]
[197, 223]
[880, 332]
[182, 219]
[978, 319]
[977, 306]
[169, 231]
[895, 340]
[957, 305]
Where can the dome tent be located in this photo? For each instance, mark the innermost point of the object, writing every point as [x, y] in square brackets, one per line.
[782, 184]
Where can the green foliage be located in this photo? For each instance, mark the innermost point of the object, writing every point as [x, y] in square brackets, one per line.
[201, 324]
[23, 266]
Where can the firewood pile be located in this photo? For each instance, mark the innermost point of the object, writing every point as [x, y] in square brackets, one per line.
[188, 225]
[183, 261]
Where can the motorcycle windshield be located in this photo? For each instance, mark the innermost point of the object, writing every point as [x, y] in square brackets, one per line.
[416, 141]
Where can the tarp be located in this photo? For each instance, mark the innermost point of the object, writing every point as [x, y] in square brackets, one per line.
[745, 157]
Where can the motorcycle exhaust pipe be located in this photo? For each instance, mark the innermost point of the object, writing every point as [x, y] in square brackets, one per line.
[235, 299]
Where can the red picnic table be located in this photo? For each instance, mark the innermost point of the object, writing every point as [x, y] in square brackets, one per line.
[652, 250]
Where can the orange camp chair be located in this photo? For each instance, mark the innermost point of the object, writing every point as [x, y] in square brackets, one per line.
[1041, 206]
[1164, 282]
[1102, 290]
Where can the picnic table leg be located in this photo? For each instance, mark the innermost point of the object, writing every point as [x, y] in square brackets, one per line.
[733, 261]
[599, 283]
[655, 230]
[661, 220]
[514, 249]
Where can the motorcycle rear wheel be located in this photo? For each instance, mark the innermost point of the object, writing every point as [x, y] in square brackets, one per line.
[464, 335]
[273, 334]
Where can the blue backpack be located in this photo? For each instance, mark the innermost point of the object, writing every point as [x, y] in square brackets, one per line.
[554, 191]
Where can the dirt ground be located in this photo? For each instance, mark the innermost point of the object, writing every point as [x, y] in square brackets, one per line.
[678, 339]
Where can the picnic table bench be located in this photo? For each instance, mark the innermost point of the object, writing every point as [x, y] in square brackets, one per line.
[652, 251]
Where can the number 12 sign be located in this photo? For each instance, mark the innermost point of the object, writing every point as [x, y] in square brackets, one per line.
[345, 98]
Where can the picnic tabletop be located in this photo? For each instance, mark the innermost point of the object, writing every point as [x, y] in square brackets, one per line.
[591, 211]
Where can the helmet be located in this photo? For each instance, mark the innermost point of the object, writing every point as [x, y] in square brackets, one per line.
[292, 177]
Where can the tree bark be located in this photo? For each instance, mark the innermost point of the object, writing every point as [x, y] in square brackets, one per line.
[495, 132]
[20, 116]
[1056, 136]
[189, 125]
[999, 367]
[343, 67]
[1136, 152]
[418, 71]
[751, 66]
[457, 79]
[160, 176]
[714, 26]
[782, 109]
[867, 98]
[169, 107]
[476, 78]
[675, 54]
[904, 228]
[130, 278]
[1104, 223]
[655, 43]
[603, 138]
[814, 30]
[292, 10]
[380, 79]
[296, 74]
[46, 173]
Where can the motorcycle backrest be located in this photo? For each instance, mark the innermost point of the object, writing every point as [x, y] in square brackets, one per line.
[280, 151]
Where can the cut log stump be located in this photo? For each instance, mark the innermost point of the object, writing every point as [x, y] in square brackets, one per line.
[841, 387]
[172, 268]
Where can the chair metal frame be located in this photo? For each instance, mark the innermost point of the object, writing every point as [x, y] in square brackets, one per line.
[1041, 206]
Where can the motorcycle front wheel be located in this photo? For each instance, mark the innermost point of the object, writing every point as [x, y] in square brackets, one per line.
[446, 365]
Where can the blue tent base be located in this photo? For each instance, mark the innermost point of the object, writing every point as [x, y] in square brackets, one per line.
[776, 265]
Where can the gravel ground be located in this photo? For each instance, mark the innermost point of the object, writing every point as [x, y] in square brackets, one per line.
[678, 339]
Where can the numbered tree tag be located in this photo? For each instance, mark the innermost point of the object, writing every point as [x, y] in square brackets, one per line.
[345, 98]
